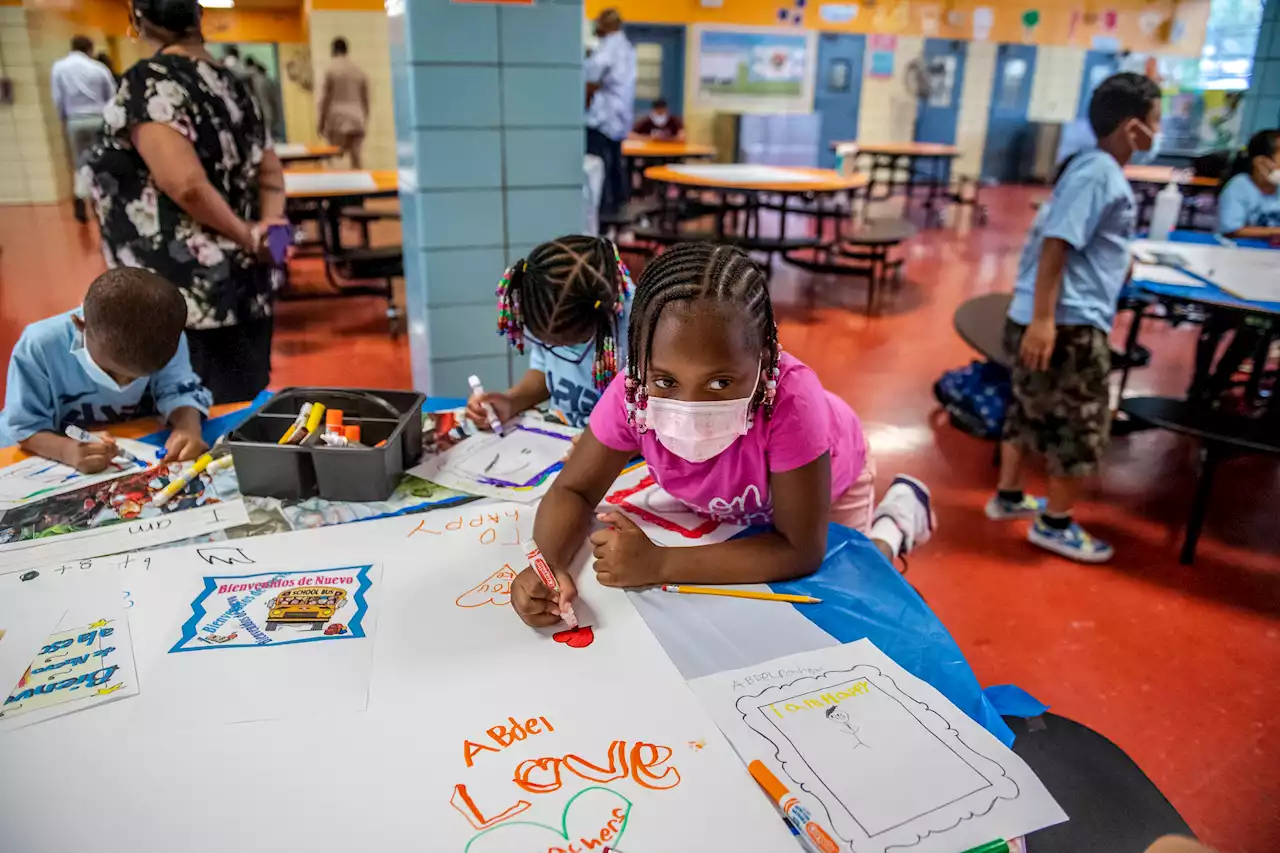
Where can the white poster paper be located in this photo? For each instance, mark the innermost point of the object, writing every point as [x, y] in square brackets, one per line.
[35, 478]
[663, 518]
[746, 173]
[324, 182]
[880, 758]
[26, 620]
[85, 662]
[518, 465]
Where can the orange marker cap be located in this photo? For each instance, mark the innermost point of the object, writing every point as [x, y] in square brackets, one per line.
[333, 418]
[352, 432]
[764, 776]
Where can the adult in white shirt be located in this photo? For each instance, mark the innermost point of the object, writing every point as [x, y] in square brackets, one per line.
[81, 86]
[611, 92]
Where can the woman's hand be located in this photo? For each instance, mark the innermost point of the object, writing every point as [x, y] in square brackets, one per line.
[624, 555]
[537, 605]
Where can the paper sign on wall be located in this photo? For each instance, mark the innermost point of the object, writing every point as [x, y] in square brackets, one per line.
[879, 758]
[983, 19]
[838, 13]
[881, 65]
[929, 19]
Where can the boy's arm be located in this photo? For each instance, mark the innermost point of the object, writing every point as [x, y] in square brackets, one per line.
[87, 457]
[32, 415]
[181, 399]
[794, 548]
[1038, 340]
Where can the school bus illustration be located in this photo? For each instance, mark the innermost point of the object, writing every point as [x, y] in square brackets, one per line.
[313, 605]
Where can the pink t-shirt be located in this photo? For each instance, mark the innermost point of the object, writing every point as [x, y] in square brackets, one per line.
[734, 486]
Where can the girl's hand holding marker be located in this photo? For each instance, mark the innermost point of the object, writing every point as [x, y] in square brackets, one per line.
[542, 596]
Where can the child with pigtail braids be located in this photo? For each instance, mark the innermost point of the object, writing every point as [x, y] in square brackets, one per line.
[569, 303]
[731, 425]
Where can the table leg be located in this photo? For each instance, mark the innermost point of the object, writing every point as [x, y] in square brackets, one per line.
[1200, 504]
[1130, 342]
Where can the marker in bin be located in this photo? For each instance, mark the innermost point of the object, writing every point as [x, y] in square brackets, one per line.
[495, 422]
[548, 578]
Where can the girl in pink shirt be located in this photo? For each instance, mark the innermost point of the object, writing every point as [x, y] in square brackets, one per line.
[729, 424]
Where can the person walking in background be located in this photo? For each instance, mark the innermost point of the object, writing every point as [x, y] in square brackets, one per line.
[231, 61]
[105, 59]
[611, 90]
[186, 185]
[81, 87]
[344, 103]
[268, 95]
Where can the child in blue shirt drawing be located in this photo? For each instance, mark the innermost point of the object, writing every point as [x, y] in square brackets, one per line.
[571, 301]
[121, 355]
[1074, 263]
[1249, 205]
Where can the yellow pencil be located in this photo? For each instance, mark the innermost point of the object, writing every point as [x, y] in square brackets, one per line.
[741, 593]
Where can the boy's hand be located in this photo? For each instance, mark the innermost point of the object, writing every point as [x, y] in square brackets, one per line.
[624, 555]
[1037, 344]
[184, 446]
[537, 605]
[92, 457]
[498, 399]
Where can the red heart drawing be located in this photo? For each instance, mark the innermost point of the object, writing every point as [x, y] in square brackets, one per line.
[576, 638]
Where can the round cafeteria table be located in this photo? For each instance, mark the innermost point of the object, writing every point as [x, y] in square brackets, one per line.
[890, 158]
[739, 192]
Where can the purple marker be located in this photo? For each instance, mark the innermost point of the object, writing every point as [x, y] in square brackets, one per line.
[279, 239]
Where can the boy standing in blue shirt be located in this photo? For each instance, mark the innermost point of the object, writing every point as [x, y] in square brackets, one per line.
[121, 355]
[1074, 263]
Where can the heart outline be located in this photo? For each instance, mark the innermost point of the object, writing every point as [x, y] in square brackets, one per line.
[563, 831]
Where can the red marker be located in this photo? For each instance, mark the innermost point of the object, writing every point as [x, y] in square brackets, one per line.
[543, 570]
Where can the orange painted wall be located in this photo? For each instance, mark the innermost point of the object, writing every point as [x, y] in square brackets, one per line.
[905, 17]
[112, 18]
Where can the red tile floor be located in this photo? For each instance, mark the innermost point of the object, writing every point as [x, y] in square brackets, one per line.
[1176, 664]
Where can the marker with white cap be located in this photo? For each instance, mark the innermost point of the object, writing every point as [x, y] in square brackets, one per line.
[495, 422]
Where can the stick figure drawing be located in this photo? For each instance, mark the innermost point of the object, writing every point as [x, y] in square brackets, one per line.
[841, 719]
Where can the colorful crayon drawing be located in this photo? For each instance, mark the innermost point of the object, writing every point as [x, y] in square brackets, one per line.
[277, 609]
[517, 466]
[36, 479]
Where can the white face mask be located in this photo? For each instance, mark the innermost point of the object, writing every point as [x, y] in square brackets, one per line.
[99, 376]
[658, 119]
[1273, 177]
[697, 432]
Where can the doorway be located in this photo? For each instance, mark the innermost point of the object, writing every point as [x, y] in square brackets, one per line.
[1007, 118]
[838, 92]
[659, 66]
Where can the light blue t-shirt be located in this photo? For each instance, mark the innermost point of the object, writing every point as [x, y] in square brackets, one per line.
[1242, 204]
[570, 377]
[1092, 209]
[48, 389]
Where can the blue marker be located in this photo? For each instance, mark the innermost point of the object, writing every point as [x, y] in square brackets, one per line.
[79, 434]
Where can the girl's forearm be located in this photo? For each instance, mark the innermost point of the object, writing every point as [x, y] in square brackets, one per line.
[529, 391]
[562, 525]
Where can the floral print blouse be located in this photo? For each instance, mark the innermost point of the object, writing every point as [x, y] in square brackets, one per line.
[142, 227]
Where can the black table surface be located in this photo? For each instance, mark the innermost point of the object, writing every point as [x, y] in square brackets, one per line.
[980, 324]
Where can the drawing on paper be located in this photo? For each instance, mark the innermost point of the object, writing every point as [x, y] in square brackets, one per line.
[576, 638]
[823, 727]
[495, 589]
[76, 668]
[517, 465]
[649, 503]
[36, 479]
[104, 504]
[594, 818]
[277, 609]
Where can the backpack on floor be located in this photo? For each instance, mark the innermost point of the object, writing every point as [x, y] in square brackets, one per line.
[975, 397]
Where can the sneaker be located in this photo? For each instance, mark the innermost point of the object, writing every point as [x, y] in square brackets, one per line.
[1072, 543]
[908, 504]
[1002, 510]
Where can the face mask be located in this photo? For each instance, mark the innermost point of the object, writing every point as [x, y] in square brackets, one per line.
[99, 376]
[658, 119]
[1140, 157]
[1273, 177]
[697, 432]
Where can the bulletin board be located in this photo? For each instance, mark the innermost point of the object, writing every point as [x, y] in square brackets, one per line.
[753, 63]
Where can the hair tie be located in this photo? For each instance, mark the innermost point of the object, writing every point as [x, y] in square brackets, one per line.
[597, 305]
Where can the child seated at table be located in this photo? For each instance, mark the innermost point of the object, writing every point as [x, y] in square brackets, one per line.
[571, 301]
[120, 355]
[1249, 204]
[1074, 263]
[730, 425]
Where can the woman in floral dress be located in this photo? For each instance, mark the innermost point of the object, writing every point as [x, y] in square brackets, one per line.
[185, 185]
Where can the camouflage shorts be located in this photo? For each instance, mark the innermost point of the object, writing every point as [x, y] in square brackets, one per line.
[1063, 412]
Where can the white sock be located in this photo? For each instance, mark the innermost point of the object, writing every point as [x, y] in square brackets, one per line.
[888, 532]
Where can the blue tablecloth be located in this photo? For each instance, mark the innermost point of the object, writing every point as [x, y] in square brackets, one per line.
[1210, 291]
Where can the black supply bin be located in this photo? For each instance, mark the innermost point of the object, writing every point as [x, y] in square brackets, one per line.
[367, 473]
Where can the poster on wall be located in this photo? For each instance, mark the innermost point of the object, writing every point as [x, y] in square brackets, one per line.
[752, 64]
[984, 17]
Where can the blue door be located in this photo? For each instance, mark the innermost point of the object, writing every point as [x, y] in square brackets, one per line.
[938, 114]
[1007, 118]
[659, 66]
[1098, 66]
[838, 91]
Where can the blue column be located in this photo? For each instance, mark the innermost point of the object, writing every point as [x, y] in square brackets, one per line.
[1262, 103]
[489, 137]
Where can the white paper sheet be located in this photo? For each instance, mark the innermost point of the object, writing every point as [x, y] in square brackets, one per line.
[1246, 273]
[663, 518]
[290, 149]
[316, 182]
[85, 662]
[517, 466]
[579, 739]
[116, 516]
[1158, 274]
[879, 758]
[34, 478]
[26, 619]
[745, 173]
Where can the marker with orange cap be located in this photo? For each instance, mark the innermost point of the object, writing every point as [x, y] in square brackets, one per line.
[814, 838]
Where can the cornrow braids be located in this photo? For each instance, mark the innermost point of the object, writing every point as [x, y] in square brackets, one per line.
[688, 272]
[573, 288]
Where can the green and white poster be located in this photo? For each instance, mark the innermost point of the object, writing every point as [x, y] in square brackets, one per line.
[752, 64]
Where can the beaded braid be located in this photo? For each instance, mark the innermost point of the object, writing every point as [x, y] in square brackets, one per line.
[576, 284]
[689, 272]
